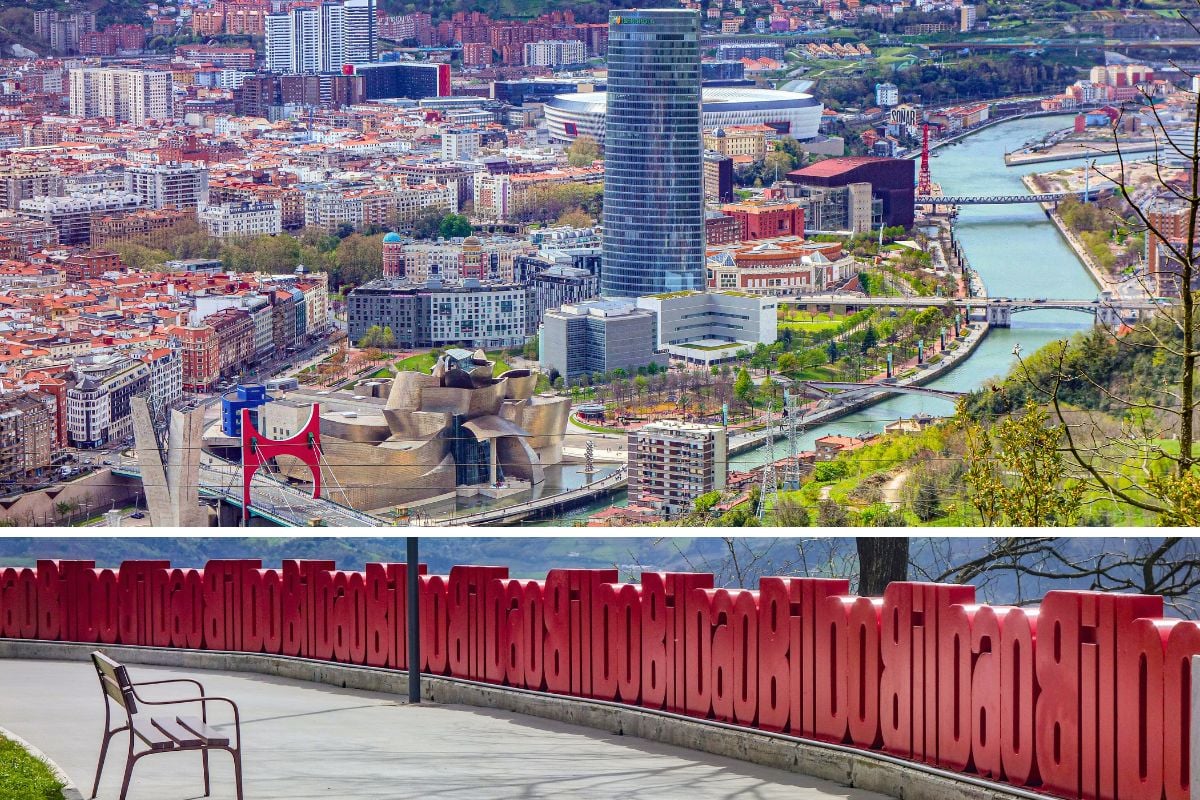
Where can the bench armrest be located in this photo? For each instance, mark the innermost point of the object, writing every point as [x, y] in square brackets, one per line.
[204, 701]
[195, 683]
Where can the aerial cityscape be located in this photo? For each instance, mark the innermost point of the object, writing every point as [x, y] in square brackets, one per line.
[737, 263]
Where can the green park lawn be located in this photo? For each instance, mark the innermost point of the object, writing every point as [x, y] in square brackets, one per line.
[24, 777]
[423, 362]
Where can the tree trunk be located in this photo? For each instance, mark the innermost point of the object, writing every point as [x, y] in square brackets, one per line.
[881, 560]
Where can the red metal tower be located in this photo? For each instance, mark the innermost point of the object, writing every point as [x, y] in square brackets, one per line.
[924, 180]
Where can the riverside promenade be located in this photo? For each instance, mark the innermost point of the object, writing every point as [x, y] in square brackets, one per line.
[310, 740]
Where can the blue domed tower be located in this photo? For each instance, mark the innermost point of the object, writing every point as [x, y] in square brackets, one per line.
[393, 256]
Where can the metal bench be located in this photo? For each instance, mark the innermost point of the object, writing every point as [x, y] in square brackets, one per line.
[163, 733]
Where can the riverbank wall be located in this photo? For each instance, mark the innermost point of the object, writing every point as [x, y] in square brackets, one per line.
[965, 348]
[1016, 159]
[1104, 282]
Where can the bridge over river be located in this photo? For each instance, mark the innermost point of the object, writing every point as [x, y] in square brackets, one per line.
[997, 311]
[1002, 199]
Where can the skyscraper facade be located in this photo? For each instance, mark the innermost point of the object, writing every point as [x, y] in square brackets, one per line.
[322, 38]
[653, 156]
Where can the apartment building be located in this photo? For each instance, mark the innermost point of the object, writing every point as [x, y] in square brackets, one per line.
[122, 95]
[236, 220]
[671, 463]
[170, 185]
[72, 215]
[98, 407]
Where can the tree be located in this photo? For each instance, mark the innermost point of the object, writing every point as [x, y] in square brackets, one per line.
[453, 225]
[583, 152]
[927, 505]
[743, 387]
[63, 508]
[1132, 464]
[387, 338]
[870, 338]
[832, 351]
[881, 560]
[706, 501]
[831, 514]
[575, 218]
[1016, 473]
[790, 513]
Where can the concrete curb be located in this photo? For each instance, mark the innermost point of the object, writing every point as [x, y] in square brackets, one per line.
[69, 790]
[872, 771]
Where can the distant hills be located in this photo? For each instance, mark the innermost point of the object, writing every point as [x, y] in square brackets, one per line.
[737, 561]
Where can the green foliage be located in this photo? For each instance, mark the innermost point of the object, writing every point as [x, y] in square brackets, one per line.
[453, 225]
[880, 515]
[741, 516]
[24, 777]
[1016, 474]
[789, 512]
[705, 502]
[870, 339]
[825, 471]
[927, 505]
[831, 514]
[743, 386]
[548, 203]
[583, 152]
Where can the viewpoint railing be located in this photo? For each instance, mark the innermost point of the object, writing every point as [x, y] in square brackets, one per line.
[1087, 695]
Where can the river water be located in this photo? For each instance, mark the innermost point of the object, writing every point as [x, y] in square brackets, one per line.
[1016, 250]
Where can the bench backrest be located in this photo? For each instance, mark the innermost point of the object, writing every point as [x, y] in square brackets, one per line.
[114, 681]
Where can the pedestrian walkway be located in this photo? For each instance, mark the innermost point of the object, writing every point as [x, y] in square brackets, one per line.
[308, 740]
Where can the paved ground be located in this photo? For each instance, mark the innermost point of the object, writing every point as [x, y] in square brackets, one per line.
[307, 740]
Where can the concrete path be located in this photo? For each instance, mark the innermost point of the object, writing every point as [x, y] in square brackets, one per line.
[308, 740]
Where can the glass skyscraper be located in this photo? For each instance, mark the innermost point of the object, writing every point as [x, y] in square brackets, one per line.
[653, 167]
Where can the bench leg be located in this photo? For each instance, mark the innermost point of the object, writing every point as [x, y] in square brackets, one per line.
[100, 764]
[237, 771]
[128, 774]
[204, 761]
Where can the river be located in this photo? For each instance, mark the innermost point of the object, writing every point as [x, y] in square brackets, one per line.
[1016, 250]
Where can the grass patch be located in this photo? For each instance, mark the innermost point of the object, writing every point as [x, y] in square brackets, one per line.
[25, 777]
[423, 362]
[587, 426]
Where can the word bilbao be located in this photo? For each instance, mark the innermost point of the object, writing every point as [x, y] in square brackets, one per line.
[1086, 696]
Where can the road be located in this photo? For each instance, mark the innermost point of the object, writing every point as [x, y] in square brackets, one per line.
[609, 483]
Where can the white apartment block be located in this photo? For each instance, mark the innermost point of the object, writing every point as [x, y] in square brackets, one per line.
[329, 209]
[72, 215]
[122, 95]
[490, 316]
[460, 145]
[554, 53]
[166, 376]
[322, 38]
[887, 95]
[671, 463]
[173, 185]
[235, 220]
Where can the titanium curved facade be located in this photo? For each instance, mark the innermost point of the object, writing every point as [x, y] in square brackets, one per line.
[653, 169]
[795, 114]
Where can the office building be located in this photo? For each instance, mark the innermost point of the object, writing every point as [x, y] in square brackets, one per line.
[871, 190]
[653, 170]
[122, 95]
[172, 185]
[598, 336]
[732, 316]
[98, 409]
[404, 81]
[718, 177]
[671, 463]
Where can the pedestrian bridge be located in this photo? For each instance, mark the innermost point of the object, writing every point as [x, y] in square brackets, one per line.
[1002, 199]
[838, 393]
[997, 311]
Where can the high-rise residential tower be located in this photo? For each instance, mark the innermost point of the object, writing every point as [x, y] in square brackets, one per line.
[323, 38]
[123, 95]
[653, 156]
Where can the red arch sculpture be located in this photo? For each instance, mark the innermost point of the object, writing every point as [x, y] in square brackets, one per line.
[257, 450]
